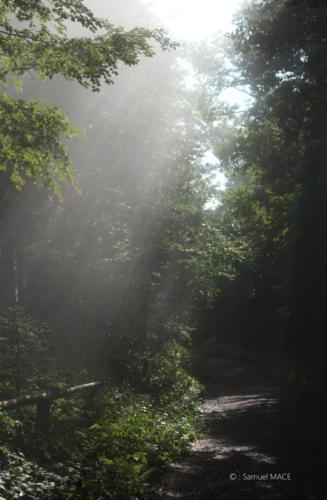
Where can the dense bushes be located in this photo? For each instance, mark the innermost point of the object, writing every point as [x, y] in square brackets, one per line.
[21, 478]
[130, 436]
[25, 360]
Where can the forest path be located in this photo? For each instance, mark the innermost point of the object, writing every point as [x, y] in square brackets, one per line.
[249, 430]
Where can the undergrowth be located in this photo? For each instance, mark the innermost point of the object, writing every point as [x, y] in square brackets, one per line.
[112, 450]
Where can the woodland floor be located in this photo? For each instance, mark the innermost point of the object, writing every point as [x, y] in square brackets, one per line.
[249, 428]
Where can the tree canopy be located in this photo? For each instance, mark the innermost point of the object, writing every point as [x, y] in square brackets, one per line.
[274, 156]
[36, 37]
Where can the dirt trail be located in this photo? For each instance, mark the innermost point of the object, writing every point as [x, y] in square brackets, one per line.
[250, 437]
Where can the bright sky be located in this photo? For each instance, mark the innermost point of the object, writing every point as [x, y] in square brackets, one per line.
[193, 20]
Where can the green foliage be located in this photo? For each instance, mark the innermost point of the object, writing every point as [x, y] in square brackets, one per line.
[169, 380]
[137, 434]
[8, 426]
[130, 436]
[26, 362]
[21, 478]
[31, 143]
[39, 41]
[273, 153]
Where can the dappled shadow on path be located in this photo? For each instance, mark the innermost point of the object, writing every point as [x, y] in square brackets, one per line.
[252, 448]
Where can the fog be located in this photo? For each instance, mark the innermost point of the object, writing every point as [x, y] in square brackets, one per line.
[163, 249]
[137, 134]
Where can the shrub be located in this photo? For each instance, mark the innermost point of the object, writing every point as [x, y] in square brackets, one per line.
[114, 457]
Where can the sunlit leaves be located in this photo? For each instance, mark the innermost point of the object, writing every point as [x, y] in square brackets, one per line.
[48, 48]
[31, 145]
[137, 433]
[39, 41]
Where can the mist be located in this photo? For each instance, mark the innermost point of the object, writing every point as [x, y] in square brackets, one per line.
[162, 250]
